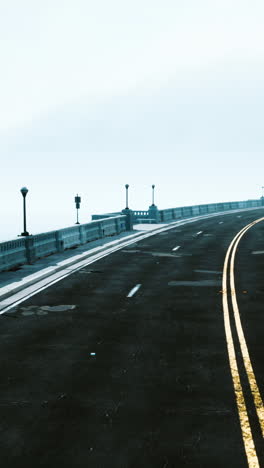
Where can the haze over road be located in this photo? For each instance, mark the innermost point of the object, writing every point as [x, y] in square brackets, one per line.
[125, 363]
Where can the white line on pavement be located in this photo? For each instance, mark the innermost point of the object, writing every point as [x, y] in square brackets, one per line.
[134, 290]
[176, 248]
[200, 232]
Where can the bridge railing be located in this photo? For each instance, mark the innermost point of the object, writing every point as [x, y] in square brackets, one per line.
[105, 215]
[137, 215]
[140, 216]
[28, 249]
[12, 253]
[154, 215]
[196, 210]
[45, 244]
[25, 250]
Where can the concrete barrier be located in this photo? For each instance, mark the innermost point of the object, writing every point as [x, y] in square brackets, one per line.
[105, 215]
[196, 210]
[28, 249]
[12, 253]
[170, 214]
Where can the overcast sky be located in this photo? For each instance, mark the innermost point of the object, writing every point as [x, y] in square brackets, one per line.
[94, 95]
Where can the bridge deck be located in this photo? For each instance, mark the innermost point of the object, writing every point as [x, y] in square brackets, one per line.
[124, 363]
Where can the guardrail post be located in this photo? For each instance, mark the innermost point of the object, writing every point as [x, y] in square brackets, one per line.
[129, 218]
[59, 241]
[30, 249]
[101, 230]
[117, 225]
[154, 213]
[82, 234]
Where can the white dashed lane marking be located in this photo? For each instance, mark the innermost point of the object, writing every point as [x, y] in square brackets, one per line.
[176, 248]
[134, 290]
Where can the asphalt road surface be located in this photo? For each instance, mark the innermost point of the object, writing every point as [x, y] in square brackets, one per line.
[137, 360]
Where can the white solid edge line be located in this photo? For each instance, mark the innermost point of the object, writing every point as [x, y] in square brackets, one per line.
[134, 290]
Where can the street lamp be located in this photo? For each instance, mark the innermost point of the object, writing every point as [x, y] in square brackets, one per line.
[126, 196]
[24, 192]
[77, 202]
[153, 187]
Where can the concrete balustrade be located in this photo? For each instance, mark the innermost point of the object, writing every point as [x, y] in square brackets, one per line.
[43, 244]
[105, 215]
[28, 249]
[212, 208]
[154, 215]
[137, 216]
[189, 211]
[140, 213]
[12, 253]
[89, 233]
[71, 237]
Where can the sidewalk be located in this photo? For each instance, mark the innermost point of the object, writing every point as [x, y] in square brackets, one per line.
[15, 280]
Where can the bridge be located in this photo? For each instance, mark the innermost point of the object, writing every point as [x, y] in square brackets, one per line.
[134, 343]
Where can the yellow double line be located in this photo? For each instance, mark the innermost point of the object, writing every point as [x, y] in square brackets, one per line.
[228, 280]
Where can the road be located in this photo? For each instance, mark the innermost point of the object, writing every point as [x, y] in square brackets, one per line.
[125, 363]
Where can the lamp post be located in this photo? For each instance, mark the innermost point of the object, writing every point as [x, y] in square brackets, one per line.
[77, 202]
[24, 192]
[153, 188]
[126, 196]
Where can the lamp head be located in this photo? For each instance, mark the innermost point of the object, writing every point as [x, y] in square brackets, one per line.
[24, 191]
